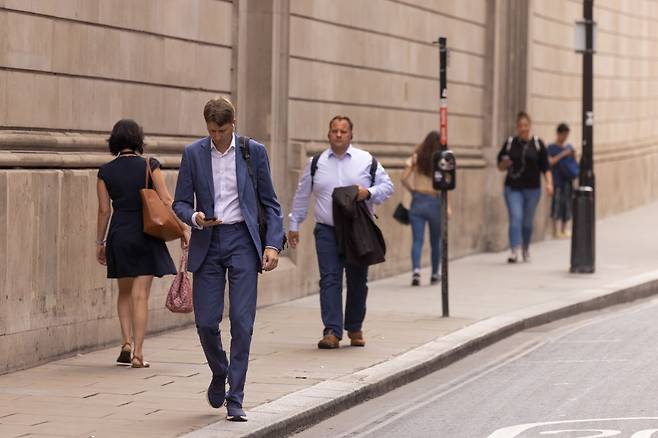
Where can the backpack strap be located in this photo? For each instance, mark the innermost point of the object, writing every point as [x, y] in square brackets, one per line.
[244, 148]
[536, 140]
[510, 139]
[314, 167]
[373, 170]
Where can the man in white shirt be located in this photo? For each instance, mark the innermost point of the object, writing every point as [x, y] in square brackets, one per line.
[221, 182]
[340, 165]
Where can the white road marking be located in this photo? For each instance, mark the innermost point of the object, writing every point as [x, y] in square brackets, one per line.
[576, 361]
[592, 341]
[600, 433]
[645, 433]
[515, 431]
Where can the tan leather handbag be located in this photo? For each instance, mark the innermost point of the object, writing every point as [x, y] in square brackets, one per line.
[159, 221]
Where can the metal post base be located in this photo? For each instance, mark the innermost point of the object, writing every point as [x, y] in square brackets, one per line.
[582, 239]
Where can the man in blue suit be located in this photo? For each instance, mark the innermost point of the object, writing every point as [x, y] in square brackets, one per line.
[218, 191]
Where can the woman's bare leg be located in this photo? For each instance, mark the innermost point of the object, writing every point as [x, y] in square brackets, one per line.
[140, 300]
[124, 305]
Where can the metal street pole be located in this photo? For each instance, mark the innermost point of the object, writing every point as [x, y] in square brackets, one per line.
[584, 217]
[443, 122]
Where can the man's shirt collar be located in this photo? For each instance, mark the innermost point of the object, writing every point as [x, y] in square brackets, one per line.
[230, 148]
[348, 152]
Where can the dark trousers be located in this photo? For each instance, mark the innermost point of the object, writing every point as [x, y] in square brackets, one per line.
[331, 285]
[231, 250]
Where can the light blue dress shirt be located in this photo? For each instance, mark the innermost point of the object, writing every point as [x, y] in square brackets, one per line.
[353, 168]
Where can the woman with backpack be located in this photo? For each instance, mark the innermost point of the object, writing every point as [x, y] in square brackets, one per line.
[562, 158]
[425, 206]
[525, 159]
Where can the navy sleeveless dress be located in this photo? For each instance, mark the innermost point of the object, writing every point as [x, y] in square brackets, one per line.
[130, 252]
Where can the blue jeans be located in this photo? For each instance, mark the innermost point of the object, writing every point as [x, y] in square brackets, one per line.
[521, 206]
[231, 251]
[331, 285]
[425, 209]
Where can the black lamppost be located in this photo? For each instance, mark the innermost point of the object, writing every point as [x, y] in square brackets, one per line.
[584, 212]
[443, 170]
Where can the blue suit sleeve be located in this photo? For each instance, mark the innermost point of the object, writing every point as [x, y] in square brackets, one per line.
[268, 198]
[184, 197]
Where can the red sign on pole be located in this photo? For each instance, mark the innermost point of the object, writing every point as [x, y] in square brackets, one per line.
[443, 122]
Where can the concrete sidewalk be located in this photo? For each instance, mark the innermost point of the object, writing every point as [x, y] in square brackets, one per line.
[290, 379]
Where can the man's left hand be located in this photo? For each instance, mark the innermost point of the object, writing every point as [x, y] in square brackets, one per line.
[363, 194]
[270, 259]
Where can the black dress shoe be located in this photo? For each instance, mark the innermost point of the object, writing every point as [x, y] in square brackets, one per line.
[234, 412]
[217, 392]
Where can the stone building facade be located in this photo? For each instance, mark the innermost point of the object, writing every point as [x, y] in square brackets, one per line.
[70, 68]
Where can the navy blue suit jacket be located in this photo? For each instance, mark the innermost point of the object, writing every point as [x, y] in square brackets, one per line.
[195, 191]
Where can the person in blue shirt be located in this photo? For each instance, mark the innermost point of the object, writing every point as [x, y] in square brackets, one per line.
[339, 165]
[562, 182]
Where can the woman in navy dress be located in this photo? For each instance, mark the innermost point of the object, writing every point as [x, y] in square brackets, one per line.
[131, 256]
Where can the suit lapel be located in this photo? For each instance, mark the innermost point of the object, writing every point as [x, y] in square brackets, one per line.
[207, 166]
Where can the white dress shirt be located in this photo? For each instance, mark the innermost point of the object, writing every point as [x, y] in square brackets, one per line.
[353, 168]
[224, 176]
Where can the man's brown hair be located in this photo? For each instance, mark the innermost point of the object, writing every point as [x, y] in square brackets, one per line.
[341, 118]
[219, 110]
[523, 115]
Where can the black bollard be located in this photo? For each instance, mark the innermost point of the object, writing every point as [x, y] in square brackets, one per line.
[583, 242]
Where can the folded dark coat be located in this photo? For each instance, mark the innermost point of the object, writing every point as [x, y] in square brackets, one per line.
[360, 241]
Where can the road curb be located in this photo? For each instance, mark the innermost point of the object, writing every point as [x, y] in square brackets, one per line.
[309, 406]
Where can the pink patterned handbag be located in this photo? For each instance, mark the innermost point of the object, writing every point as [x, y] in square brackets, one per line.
[179, 298]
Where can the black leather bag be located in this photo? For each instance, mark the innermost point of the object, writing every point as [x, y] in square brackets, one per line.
[401, 214]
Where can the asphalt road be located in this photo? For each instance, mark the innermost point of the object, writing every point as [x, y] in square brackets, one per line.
[592, 376]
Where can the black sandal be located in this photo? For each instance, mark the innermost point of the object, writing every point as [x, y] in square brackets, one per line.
[124, 356]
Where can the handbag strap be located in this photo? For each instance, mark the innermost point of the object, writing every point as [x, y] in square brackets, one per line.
[148, 172]
[183, 261]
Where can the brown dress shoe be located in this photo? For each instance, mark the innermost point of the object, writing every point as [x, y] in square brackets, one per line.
[329, 341]
[356, 339]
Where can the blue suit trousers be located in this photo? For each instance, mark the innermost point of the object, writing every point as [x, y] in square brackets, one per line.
[231, 251]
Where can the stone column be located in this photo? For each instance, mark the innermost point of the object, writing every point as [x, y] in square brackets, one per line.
[261, 78]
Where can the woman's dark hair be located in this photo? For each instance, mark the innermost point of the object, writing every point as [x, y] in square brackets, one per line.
[126, 134]
[424, 153]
